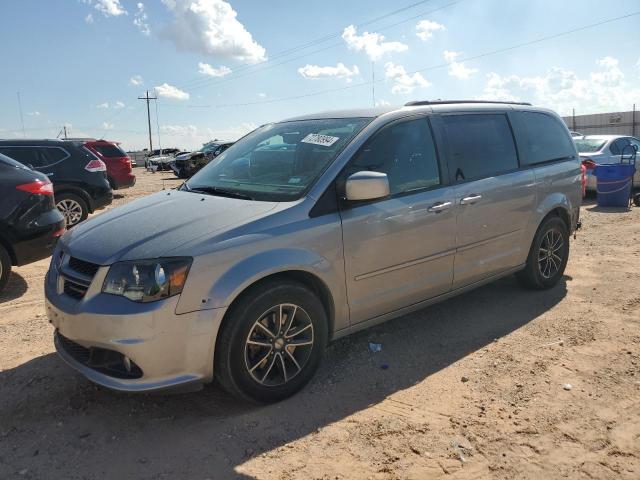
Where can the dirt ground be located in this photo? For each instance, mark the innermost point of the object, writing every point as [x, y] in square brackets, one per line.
[475, 387]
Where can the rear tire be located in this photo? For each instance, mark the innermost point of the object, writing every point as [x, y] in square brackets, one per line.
[271, 342]
[73, 208]
[5, 267]
[548, 255]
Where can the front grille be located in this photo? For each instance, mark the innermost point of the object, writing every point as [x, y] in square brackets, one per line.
[82, 267]
[107, 362]
[75, 290]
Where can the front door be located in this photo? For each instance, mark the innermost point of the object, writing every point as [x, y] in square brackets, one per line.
[399, 250]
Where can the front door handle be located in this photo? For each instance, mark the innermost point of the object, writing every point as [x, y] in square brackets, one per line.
[439, 207]
[471, 199]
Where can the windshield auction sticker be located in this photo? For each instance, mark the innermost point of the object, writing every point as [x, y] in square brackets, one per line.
[317, 139]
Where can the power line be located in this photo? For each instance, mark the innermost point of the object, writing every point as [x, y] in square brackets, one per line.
[202, 82]
[432, 67]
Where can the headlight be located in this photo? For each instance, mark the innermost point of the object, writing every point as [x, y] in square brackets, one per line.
[147, 280]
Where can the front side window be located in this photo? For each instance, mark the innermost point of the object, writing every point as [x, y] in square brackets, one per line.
[277, 162]
[545, 138]
[405, 151]
[479, 145]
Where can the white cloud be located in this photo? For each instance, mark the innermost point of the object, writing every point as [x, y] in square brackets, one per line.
[425, 29]
[34, 114]
[103, 105]
[194, 136]
[262, 95]
[211, 27]
[89, 19]
[372, 44]
[605, 89]
[169, 91]
[140, 20]
[107, 126]
[110, 8]
[206, 69]
[382, 103]
[119, 105]
[136, 80]
[458, 69]
[402, 81]
[339, 71]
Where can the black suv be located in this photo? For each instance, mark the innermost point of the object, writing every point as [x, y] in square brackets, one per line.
[79, 178]
[30, 224]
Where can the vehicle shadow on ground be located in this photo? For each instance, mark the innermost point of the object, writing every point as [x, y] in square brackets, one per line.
[95, 433]
[15, 288]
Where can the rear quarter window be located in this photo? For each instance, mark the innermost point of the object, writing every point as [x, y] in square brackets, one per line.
[544, 138]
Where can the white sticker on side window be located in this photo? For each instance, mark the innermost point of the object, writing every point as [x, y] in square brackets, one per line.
[317, 139]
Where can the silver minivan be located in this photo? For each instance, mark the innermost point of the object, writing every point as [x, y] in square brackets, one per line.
[307, 230]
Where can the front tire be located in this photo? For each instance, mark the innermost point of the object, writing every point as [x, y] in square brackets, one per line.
[271, 342]
[5, 267]
[73, 208]
[548, 255]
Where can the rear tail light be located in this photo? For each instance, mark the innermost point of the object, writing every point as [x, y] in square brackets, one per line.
[589, 164]
[96, 166]
[39, 187]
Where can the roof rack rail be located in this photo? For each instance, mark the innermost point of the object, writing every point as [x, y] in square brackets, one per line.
[447, 102]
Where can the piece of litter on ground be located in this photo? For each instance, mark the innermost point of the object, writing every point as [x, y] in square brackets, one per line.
[384, 366]
[464, 379]
[375, 347]
[567, 386]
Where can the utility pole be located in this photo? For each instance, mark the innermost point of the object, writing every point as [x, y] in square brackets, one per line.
[373, 83]
[21, 116]
[148, 98]
[65, 131]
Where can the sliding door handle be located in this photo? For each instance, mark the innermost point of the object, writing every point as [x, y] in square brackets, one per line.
[439, 206]
[471, 199]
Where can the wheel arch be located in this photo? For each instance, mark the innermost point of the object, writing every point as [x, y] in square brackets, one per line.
[75, 191]
[310, 280]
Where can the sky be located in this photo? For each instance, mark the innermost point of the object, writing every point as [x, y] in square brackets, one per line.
[222, 68]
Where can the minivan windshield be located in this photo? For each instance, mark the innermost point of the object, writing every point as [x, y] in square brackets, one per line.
[589, 145]
[277, 162]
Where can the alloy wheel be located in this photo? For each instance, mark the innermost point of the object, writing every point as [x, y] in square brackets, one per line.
[549, 259]
[71, 210]
[279, 345]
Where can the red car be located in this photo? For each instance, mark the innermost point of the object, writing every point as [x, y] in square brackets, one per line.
[118, 163]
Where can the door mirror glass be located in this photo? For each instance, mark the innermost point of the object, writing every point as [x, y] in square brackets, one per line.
[367, 186]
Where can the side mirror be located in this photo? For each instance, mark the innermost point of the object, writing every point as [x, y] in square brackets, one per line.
[367, 186]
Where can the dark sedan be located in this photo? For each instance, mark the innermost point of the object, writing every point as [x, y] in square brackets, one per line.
[30, 223]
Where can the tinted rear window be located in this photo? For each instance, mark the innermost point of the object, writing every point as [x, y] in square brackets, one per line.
[545, 138]
[589, 145]
[479, 145]
[108, 150]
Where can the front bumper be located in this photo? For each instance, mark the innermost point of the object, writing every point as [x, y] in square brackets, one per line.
[170, 349]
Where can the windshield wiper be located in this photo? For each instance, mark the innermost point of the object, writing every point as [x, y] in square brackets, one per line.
[217, 191]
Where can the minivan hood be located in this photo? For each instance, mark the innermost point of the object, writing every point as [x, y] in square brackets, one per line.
[152, 226]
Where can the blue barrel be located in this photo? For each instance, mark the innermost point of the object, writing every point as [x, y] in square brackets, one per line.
[614, 183]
